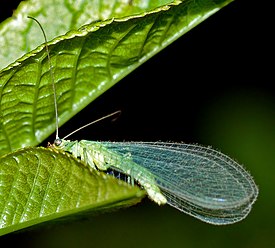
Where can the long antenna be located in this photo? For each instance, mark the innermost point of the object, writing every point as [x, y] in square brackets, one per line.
[54, 90]
[52, 75]
[93, 122]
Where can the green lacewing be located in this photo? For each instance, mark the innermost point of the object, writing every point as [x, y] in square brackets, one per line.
[197, 180]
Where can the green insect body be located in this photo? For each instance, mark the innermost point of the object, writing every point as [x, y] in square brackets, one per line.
[194, 179]
[197, 180]
[97, 156]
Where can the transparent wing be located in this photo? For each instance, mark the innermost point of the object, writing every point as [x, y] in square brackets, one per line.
[197, 180]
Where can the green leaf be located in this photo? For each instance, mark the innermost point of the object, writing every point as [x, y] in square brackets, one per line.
[39, 185]
[36, 184]
[85, 63]
[18, 36]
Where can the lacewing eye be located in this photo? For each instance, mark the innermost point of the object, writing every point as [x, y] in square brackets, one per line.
[57, 142]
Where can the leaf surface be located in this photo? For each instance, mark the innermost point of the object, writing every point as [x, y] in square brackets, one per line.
[39, 185]
[85, 63]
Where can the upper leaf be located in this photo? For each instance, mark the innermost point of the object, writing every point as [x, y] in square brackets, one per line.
[18, 36]
[86, 62]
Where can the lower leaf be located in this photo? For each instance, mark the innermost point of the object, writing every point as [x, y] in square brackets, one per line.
[39, 184]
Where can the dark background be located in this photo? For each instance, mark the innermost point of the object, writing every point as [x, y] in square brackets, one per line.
[213, 86]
